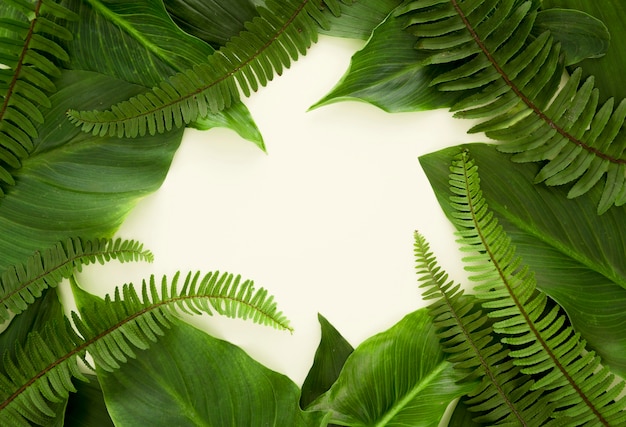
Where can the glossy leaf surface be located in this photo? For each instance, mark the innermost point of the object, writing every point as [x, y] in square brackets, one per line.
[388, 73]
[358, 19]
[396, 378]
[193, 379]
[575, 254]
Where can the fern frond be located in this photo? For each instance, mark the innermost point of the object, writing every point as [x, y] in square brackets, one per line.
[511, 79]
[28, 56]
[504, 395]
[282, 32]
[21, 284]
[113, 329]
[26, 390]
[542, 342]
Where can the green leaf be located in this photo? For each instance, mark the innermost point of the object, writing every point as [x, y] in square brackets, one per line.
[462, 417]
[75, 184]
[581, 35]
[358, 20]
[213, 21]
[149, 47]
[398, 377]
[577, 256]
[331, 355]
[389, 74]
[86, 407]
[611, 13]
[193, 379]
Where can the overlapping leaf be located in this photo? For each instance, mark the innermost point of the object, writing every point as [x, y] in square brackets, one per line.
[282, 32]
[519, 101]
[21, 284]
[29, 49]
[42, 370]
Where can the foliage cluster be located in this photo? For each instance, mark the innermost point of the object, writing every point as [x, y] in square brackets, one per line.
[95, 97]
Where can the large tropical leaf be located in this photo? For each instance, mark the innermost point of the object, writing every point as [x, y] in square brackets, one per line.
[138, 42]
[86, 407]
[398, 377]
[193, 379]
[40, 372]
[576, 256]
[29, 57]
[74, 184]
[520, 101]
[359, 19]
[282, 32]
[388, 73]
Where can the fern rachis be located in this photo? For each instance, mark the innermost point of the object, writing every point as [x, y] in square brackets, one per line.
[28, 53]
[540, 341]
[110, 329]
[282, 32]
[511, 78]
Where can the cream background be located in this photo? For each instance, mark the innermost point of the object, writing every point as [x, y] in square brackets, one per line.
[324, 221]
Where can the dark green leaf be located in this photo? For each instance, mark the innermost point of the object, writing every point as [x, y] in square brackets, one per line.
[86, 407]
[581, 35]
[213, 21]
[398, 377]
[462, 417]
[193, 379]
[330, 357]
[77, 184]
[358, 20]
[388, 73]
[576, 255]
[613, 14]
[149, 47]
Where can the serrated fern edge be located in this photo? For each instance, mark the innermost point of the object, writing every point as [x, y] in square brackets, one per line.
[21, 284]
[111, 329]
[283, 31]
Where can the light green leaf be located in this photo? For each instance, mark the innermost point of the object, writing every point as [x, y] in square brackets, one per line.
[577, 256]
[138, 42]
[397, 378]
[581, 35]
[388, 73]
[75, 184]
[193, 379]
[330, 357]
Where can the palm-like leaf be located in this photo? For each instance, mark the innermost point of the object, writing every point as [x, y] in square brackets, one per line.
[511, 80]
[20, 284]
[282, 32]
[541, 341]
[26, 82]
[111, 329]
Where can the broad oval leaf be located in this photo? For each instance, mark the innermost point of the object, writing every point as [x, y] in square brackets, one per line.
[197, 380]
[397, 378]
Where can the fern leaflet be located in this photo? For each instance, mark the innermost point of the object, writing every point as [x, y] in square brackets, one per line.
[21, 284]
[27, 57]
[504, 395]
[542, 343]
[282, 32]
[111, 329]
[511, 79]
